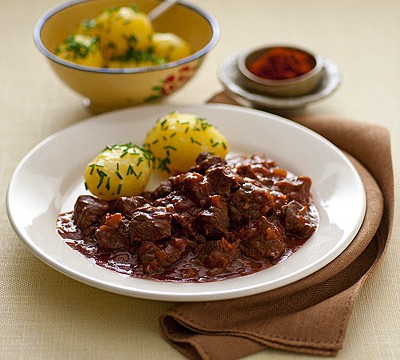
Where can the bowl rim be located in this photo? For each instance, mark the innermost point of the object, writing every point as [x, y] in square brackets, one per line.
[319, 64]
[50, 55]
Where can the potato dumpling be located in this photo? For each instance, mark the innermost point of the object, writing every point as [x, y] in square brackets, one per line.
[170, 46]
[81, 49]
[177, 139]
[119, 170]
[123, 28]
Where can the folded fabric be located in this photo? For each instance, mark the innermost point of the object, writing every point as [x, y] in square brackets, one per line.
[311, 315]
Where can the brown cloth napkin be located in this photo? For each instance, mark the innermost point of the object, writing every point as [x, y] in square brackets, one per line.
[311, 315]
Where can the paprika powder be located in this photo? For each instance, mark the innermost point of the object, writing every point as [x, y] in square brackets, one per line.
[280, 63]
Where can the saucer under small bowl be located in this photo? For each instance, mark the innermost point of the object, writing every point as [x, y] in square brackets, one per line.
[234, 83]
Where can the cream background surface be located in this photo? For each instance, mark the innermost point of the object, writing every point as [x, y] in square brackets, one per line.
[46, 315]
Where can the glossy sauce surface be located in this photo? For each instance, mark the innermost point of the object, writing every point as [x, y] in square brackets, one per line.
[126, 262]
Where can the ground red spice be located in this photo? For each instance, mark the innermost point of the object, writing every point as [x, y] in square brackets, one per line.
[280, 63]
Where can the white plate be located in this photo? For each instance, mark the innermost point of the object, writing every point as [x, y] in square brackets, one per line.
[49, 178]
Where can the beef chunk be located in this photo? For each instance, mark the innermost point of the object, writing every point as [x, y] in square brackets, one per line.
[280, 202]
[205, 161]
[214, 221]
[193, 186]
[112, 235]
[182, 204]
[184, 216]
[175, 202]
[185, 223]
[297, 189]
[157, 257]
[218, 254]
[249, 202]
[161, 191]
[261, 239]
[223, 180]
[298, 220]
[88, 211]
[127, 205]
[150, 223]
[246, 170]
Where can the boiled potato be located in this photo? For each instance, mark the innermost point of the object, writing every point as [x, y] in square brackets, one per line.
[177, 139]
[123, 28]
[119, 170]
[88, 27]
[81, 49]
[170, 46]
[121, 37]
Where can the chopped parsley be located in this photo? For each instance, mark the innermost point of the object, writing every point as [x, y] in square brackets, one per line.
[79, 45]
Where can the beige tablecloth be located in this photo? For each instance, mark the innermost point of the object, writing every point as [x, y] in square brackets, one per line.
[46, 315]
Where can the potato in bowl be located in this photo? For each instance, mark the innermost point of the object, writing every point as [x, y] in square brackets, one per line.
[121, 37]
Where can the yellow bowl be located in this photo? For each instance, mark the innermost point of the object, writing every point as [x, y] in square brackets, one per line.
[111, 88]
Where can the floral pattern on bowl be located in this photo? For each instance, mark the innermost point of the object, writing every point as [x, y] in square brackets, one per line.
[173, 82]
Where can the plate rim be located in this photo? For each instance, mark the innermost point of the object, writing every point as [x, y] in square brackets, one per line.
[148, 294]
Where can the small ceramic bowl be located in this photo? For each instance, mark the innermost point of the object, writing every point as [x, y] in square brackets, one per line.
[111, 88]
[285, 87]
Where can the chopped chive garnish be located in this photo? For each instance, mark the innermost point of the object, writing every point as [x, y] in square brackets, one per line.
[101, 173]
[164, 125]
[204, 126]
[100, 181]
[107, 148]
[92, 168]
[131, 171]
[163, 164]
[194, 141]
